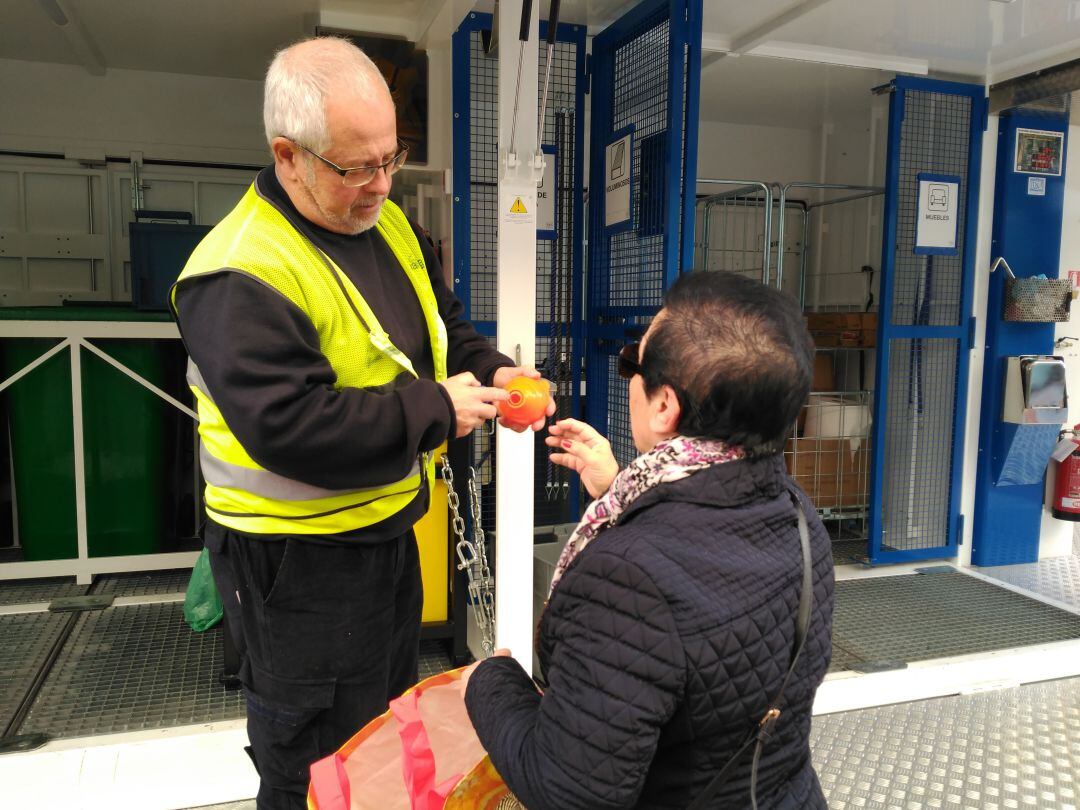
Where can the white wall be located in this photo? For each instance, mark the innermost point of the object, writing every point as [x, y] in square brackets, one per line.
[845, 237]
[61, 109]
[748, 152]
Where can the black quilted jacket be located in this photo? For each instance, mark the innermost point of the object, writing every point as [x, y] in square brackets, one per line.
[661, 647]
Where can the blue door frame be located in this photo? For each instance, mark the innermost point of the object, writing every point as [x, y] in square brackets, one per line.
[914, 339]
[616, 308]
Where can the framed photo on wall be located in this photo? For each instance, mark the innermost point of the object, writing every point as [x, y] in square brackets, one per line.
[1039, 151]
[405, 68]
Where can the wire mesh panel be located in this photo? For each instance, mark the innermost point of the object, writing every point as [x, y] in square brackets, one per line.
[935, 127]
[642, 85]
[618, 392]
[635, 257]
[733, 229]
[934, 138]
[558, 260]
[918, 431]
[840, 265]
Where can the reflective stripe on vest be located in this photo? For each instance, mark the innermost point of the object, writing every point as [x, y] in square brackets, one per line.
[256, 240]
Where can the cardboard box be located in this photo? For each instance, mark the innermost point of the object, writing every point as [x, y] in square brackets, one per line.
[822, 457]
[835, 491]
[848, 330]
[824, 376]
[834, 473]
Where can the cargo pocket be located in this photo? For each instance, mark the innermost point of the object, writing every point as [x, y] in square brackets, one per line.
[283, 719]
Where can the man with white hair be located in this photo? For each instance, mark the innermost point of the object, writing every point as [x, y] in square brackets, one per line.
[329, 361]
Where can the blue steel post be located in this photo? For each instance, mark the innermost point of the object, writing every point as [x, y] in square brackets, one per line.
[462, 168]
[1027, 232]
[690, 125]
[677, 39]
[577, 328]
[596, 389]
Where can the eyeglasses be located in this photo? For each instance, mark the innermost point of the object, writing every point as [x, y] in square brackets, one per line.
[629, 365]
[362, 175]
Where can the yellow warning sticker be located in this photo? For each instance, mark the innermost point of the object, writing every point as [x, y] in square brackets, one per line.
[518, 207]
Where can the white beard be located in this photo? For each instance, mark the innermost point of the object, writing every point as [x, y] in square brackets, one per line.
[349, 223]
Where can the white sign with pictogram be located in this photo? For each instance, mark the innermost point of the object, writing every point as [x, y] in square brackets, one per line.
[518, 206]
[938, 215]
[618, 180]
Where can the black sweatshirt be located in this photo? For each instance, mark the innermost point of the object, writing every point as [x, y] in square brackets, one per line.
[259, 356]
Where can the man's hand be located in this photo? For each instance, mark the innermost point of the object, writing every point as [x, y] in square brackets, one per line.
[503, 376]
[473, 403]
[584, 451]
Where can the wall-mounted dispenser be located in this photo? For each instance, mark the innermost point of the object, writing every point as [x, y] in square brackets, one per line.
[1035, 391]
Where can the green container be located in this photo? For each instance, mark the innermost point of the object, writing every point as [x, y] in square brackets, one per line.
[125, 442]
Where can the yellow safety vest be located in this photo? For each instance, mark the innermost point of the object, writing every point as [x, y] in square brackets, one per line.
[257, 240]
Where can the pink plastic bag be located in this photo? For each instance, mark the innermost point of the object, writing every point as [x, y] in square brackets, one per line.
[422, 754]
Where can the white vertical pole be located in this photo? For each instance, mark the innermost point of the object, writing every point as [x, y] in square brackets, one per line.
[516, 329]
[82, 576]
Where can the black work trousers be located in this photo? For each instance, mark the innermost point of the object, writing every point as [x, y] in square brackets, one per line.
[327, 634]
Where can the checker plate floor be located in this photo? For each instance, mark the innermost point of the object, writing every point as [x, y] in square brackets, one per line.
[1014, 748]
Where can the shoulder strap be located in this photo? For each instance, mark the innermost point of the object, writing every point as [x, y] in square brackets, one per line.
[760, 734]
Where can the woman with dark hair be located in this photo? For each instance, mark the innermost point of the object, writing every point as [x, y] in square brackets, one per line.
[689, 621]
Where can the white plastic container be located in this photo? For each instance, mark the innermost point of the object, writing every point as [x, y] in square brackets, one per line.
[832, 418]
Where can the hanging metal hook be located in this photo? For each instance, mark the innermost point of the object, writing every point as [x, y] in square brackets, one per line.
[1001, 261]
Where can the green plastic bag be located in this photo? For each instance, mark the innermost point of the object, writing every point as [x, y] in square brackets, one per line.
[202, 603]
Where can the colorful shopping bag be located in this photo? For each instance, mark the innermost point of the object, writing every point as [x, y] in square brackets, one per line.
[421, 754]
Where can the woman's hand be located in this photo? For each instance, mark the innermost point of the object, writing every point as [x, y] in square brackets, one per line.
[586, 452]
[469, 670]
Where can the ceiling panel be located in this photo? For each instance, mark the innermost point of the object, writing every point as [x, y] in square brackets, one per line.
[958, 36]
[726, 18]
[237, 37]
[233, 39]
[27, 33]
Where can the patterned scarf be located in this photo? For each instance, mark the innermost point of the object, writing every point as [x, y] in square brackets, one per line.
[671, 460]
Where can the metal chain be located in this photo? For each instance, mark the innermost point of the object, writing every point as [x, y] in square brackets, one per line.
[486, 606]
[472, 558]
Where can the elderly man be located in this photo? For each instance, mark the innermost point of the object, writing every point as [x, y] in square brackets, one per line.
[329, 362]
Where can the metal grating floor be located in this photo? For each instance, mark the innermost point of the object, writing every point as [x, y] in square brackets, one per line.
[25, 641]
[922, 616]
[144, 583]
[133, 668]
[842, 659]
[433, 659]
[28, 591]
[1056, 578]
[848, 552]
[1014, 748]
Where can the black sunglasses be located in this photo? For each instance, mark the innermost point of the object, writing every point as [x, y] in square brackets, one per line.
[629, 364]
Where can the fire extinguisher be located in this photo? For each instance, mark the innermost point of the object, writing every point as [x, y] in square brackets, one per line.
[1067, 487]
